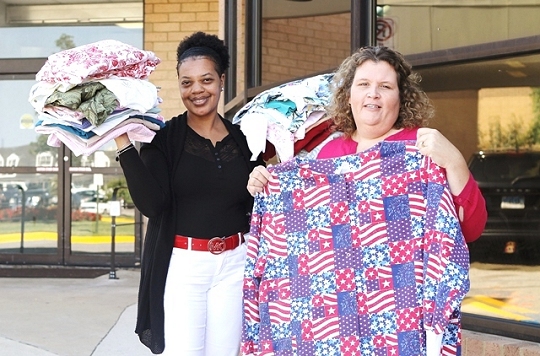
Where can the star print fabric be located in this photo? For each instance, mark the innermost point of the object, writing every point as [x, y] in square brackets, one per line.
[356, 255]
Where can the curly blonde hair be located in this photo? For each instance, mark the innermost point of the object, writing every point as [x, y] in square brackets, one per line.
[415, 108]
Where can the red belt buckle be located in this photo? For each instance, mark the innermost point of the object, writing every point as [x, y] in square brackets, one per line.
[216, 245]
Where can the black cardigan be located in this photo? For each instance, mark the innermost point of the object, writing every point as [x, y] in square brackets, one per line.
[148, 174]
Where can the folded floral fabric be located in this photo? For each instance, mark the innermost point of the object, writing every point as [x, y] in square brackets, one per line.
[282, 114]
[98, 60]
[138, 94]
[46, 126]
[92, 99]
[89, 95]
[135, 132]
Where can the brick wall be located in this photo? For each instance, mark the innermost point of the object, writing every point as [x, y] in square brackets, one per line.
[295, 47]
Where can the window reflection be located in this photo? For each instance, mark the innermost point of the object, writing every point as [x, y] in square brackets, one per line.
[504, 291]
[299, 39]
[437, 25]
[105, 156]
[42, 41]
[45, 159]
[19, 144]
[499, 117]
[508, 253]
[29, 213]
[28, 37]
[94, 198]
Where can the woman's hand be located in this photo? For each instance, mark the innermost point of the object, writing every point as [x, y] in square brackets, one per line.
[434, 145]
[442, 152]
[258, 178]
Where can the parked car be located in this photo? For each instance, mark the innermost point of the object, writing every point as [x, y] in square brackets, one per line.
[93, 206]
[85, 199]
[510, 184]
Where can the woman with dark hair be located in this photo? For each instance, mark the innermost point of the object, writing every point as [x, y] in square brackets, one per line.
[190, 183]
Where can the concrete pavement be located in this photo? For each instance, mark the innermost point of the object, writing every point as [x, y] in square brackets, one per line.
[70, 316]
[96, 316]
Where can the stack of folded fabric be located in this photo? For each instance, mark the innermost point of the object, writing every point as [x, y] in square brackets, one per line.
[88, 95]
[288, 120]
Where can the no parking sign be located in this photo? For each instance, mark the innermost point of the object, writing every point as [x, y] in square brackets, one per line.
[385, 32]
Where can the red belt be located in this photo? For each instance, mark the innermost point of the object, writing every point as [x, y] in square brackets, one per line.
[215, 245]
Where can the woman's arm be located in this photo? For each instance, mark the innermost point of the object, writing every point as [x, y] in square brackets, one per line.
[122, 141]
[146, 175]
[471, 207]
[470, 204]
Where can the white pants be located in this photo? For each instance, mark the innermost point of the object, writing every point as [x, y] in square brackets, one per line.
[203, 303]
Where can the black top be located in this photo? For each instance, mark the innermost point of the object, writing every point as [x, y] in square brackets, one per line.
[152, 177]
[211, 184]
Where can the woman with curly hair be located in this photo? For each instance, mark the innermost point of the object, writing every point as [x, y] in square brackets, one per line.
[190, 183]
[376, 96]
[395, 82]
[363, 244]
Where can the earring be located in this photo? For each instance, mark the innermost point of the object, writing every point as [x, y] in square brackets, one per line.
[222, 88]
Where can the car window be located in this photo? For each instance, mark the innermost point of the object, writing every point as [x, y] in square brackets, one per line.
[504, 168]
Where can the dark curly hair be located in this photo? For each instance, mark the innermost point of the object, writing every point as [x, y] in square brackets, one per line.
[415, 108]
[201, 44]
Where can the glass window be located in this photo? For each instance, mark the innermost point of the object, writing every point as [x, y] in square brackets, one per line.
[299, 39]
[20, 145]
[484, 107]
[45, 159]
[105, 156]
[434, 25]
[94, 197]
[13, 160]
[42, 41]
[29, 213]
[29, 175]
[39, 30]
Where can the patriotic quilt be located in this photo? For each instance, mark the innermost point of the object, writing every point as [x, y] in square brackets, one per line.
[356, 255]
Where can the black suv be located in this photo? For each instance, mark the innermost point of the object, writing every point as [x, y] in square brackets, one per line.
[510, 184]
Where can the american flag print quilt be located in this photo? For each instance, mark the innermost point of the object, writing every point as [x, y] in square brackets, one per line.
[356, 255]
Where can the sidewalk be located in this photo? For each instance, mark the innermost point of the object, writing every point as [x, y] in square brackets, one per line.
[69, 316]
[96, 317]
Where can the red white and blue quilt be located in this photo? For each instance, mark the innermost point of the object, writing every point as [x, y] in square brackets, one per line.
[356, 255]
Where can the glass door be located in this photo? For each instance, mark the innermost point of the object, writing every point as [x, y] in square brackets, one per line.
[55, 207]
